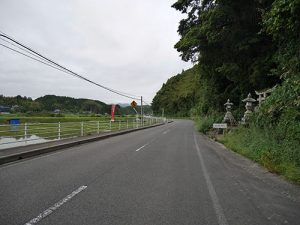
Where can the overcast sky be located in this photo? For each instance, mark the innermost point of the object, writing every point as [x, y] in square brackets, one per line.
[123, 44]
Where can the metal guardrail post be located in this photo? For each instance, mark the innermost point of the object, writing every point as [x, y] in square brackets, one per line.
[98, 127]
[81, 130]
[58, 130]
[127, 124]
[120, 125]
[110, 125]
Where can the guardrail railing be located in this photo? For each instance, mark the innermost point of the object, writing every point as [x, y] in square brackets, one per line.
[13, 135]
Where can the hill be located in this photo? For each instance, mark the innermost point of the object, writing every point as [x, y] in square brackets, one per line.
[178, 95]
[68, 104]
[50, 103]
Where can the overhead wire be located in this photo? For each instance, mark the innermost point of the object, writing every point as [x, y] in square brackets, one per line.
[42, 59]
[31, 57]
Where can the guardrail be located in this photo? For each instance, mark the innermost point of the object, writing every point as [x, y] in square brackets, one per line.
[14, 135]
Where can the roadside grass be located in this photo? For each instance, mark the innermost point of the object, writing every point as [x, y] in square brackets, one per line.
[280, 156]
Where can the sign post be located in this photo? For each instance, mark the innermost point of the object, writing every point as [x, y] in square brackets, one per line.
[220, 126]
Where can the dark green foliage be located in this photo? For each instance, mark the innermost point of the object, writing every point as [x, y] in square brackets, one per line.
[283, 24]
[225, 38]
[238, 47]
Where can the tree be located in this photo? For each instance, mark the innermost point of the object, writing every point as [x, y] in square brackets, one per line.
[224, 38]
[283, 24]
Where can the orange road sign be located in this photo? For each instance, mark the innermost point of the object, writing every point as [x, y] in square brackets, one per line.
[133, 104]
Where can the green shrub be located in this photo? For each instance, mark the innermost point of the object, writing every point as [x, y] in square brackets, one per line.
[205, 123]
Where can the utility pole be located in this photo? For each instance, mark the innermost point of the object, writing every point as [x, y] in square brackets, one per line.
[142, 111]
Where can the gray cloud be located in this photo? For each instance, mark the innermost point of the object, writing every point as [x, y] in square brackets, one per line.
[123, 44]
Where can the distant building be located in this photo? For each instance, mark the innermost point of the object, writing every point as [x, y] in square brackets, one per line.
[57, 111]
[15, 108]
[4, 109]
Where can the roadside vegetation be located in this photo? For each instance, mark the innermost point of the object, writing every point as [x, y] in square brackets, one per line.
[238, 47]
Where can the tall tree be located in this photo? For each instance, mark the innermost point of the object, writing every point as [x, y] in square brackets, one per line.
[224, 37]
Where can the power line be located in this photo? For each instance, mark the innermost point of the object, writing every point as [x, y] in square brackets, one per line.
[25, 50]
[46, 61]
[68, 71]
[33, 58]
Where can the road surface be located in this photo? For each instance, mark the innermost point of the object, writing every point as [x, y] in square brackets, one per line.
[163, 175]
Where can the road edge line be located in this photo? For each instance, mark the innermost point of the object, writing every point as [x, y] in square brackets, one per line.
[211, 190]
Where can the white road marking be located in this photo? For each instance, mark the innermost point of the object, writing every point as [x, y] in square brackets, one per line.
[212, 192]
[166, 131]
[141, 147]
[50, 210]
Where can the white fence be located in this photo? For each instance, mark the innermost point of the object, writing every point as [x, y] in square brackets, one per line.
[29, 133]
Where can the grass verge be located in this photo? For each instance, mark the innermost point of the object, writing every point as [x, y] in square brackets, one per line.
[262, 145]
[280, 156]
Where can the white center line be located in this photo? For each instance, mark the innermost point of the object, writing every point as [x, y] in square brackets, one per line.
[50, 210]
[141, 147]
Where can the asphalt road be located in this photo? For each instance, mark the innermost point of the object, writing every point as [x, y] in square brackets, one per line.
[163, 175]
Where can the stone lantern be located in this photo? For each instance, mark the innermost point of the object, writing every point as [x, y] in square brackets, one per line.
[228, 118]
[249, 108]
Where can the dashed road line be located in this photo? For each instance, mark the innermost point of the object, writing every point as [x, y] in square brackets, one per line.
[141, 147]
[50, 210]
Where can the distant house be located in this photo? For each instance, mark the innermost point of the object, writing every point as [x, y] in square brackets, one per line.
[57, 111]
[4, 109]
[15, 108]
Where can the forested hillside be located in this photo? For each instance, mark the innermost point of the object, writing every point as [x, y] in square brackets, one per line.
[52, 102]
[178, 95]
[239, 47]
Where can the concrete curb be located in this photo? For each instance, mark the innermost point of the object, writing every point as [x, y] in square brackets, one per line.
[43, 150]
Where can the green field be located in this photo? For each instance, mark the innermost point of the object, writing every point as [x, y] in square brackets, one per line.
[66, 118]
[50, 128]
